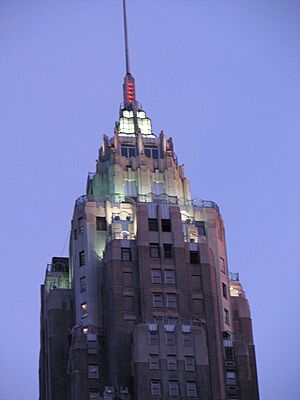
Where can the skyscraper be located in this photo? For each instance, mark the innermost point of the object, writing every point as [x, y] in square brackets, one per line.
[144, 307]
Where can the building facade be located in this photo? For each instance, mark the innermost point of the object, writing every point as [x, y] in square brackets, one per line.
[144, 307]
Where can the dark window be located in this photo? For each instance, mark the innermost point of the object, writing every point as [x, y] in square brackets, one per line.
[128, 304]
[189, 363]
[153, 224]
[158, 300]
[224, 290]
[154, 361]
[155, 388]
[127, 279]
[80, 224]
[94, 395]
[82, 284]
[156, 276]
[171, 300]
[166, 225]
[81, 258]
[153, 337]
[170, 277]
[173, 388]
[168, 253]
[93, 371]
[128, 151]
[151, 152]
[187, 338]
[154, 250]
[75, 234]
[222, 264]
[101, 223]
[170, 338]
[125, 254]
[226, 316]
[194, 257]
[228, 353]
[200, 227]
[191, 389]
[171, 363]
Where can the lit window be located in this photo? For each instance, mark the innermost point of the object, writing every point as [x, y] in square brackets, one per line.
[230, 378]
[151, 152]
[155, 388]
[168, 252]
[154, 361]
[153, 224]
[200, 227]
[194, 257]
[191, 389]
[153, 337]
[154, 250]
[170, 277]
[128, 151]
[166, 225]
[80, 224]
[226, 316]
[82, 284]
[171, 363]
[125, 254]
[81, 258]
[173, 388]
[187, 338]
[158, 301]
[94, 395]
[171, 300]
[224, 290]
[189, 363]
[101, 224]
[170, 338]
[156, 276]
[93, 371]
[84, 309]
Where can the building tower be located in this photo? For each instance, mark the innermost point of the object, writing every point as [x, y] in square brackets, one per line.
[144, 308]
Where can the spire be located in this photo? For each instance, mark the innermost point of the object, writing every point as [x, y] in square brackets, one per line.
[129, 83]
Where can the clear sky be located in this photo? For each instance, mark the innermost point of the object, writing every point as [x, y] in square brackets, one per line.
[222, 78]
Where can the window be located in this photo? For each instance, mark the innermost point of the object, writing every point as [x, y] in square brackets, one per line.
[154, 250]
[127, 279]
[224, 290]
[125, 254]
[170, 338]
[171, 363]
[75, 234]
[222, 265]
[84, 309]
[101, 224]
[197, 306]
[194, 257]
[187, 338]
[169, 277]
[230, 378]
[171, 300]
[228, 353]
[173, 388]
[81, 258]
[226, 316]
[196, 282]
[158, 300]
[189, 363]
[80, 224]
[93, 371]
[156, 276]
[128, 303]
[82, 284]
[154, 361]
[151, 152]
[94, 395]
[153, 337]
[153, 224]
[200, 227]
[166, 225]
[128, 151]
[155, 388]
[168, 253]
[191, 389]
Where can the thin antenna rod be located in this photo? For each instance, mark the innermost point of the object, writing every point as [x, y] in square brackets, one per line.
[126, 38]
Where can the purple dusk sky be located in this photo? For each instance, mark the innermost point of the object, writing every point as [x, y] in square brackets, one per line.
[222, 78]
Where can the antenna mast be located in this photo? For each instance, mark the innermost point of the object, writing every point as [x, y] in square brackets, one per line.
[126, 38]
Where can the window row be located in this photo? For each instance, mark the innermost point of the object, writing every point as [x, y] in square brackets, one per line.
[101, 225]
[170, 338]
[172, 362]
[160, 300]
[131, 151]
[165, 224]
[155, 250]
[173, 388]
